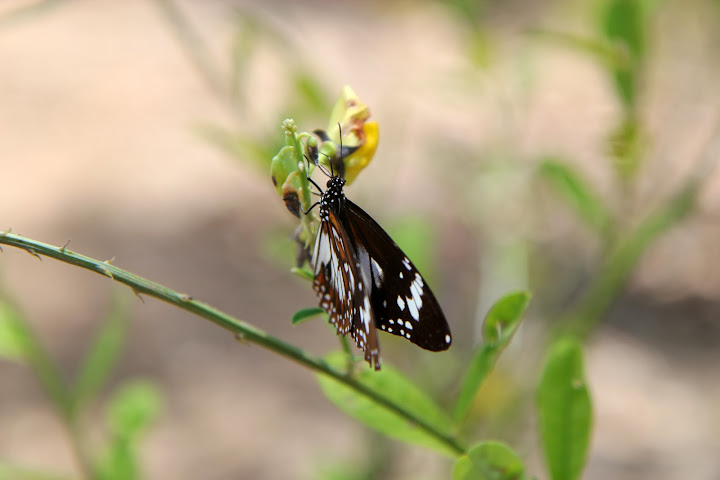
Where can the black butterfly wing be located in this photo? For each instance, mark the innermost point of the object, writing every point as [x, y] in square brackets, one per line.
[340, 286]
[401, 301]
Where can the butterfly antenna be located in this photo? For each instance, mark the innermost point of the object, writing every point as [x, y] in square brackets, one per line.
[341, 147]
[323, 168]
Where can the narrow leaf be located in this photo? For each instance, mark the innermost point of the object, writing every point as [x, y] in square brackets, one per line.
[489, 461]
[501, 323]
[574, 190]
[21, 344]
[11, 337]
[398, 389]
[306, 314]
[564, 411]
[624, 22]
[624, 25]
[102, 354]
[133, 407]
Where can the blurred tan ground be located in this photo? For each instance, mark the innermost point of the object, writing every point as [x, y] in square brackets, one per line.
[99, 110]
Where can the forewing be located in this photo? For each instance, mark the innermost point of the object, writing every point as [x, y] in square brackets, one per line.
[401, 301]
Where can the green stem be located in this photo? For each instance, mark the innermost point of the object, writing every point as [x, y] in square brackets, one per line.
[241, 329]
[57, 390]
[613, 275]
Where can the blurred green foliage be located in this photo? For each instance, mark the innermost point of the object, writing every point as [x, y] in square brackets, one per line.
[132, 407]
[620, 42]
[564, 410]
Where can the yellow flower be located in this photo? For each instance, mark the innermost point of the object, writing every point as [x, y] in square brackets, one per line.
[357, 132]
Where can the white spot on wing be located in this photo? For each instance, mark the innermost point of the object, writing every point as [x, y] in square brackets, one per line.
[377, 272]
[412, 307]
[416, 289]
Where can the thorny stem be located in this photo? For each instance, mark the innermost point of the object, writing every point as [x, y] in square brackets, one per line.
[241, 329]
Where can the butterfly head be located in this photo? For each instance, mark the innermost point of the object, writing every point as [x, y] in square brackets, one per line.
[335, 183]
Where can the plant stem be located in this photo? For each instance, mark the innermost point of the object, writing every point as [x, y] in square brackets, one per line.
[241, 329]
[622, 261]
[59, 393]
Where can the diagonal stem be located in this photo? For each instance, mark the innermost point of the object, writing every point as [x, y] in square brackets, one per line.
[241, 329]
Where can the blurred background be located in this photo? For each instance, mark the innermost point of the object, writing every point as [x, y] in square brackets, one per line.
[563, 147]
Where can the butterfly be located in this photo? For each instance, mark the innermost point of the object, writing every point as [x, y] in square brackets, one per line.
[365, 282]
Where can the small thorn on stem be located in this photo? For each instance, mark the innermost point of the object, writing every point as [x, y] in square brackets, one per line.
[105, 272]
[137, 294]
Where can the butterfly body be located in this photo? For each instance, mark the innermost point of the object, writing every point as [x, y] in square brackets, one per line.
[364, 280]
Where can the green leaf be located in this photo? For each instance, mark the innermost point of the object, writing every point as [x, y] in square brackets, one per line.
[489, 461]
[564, 410]
[102, 354]
[501, 323]
[306, 314]
[18, 341]
[574, 190]
[131, 410]
[624, 24]
[120, 462]
[133, 407]
[12, 343]
[397, 388]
